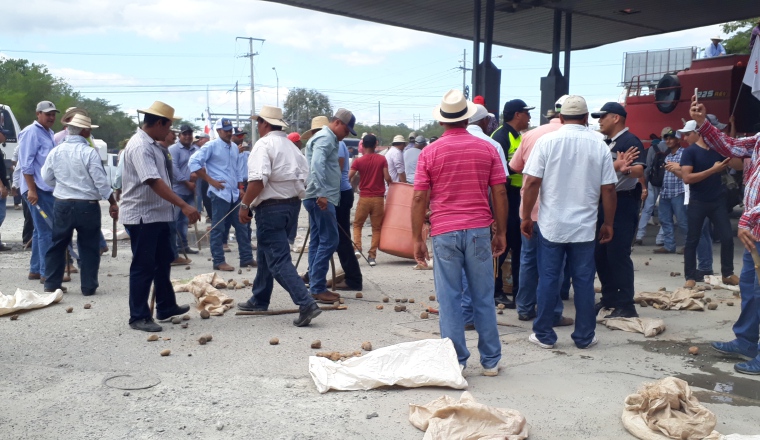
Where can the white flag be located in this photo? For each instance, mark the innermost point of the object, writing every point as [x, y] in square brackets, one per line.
[752, 75]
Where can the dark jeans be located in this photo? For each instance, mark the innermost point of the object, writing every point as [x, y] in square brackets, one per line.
[181, 222]
[613, 260]
[294, 227]
[28, 231]
[151, 265]
[221, 208]
[272, 225]
[206, 199]
[84, 217]
[514, 243]
[173, 240]
[696, 214]
[346, 255]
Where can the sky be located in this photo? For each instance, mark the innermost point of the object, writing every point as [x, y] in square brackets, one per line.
[138, 51]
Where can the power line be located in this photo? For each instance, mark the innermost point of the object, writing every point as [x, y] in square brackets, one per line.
[111, 54]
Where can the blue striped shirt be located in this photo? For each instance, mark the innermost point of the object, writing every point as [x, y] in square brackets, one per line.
[672, 185]
[35, 143]
[220, 160]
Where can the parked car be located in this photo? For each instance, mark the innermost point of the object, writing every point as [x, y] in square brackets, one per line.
[353, 146]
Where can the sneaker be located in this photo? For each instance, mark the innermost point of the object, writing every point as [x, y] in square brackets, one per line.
[503, 299]
[591, 344]
[224, 267]
[564, 322]
[533, 339]
[178, 310]
[751, 367]
[662, 250]
[690, 284]
[731, 280]
[146, 325]
[372, 262]
[732, 349]
[181, 261]
[4, 247]
[491, 372]
[248, 307]
[306, 315]
[624, 312]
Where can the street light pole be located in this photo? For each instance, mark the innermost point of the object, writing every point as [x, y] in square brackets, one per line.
[278, 86]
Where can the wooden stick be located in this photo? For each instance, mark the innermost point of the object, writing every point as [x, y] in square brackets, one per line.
[113, 245]
[305, 241]
[286, 311]
[195, 225]
[68, 264]
[756, 259]
[332, 265]
[152, 300]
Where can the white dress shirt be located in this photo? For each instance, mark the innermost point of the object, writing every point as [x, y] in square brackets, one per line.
[279, 164]
[476, 131]
[75, 171]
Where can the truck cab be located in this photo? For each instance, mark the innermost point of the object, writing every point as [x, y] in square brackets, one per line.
[10, 125]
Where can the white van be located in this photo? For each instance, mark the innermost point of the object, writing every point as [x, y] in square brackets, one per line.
[9, 123]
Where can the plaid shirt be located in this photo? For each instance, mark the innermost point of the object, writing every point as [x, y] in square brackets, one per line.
[672, 185]
[743, 148]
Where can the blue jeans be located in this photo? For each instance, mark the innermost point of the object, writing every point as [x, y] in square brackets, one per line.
[564, 290]
[647, 211]
[272, 225]
[42, 238]
[151, 265]
[2, 210]
[84, 217]
[551, 260]
[704, 249]
[220, 208]
[669, 208]
[294, 227]
[526, 296]
[467, 250]
[748, 325]
[182, 222]
[322, 244]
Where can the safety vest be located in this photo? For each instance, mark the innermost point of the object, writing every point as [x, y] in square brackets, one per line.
[514, 143]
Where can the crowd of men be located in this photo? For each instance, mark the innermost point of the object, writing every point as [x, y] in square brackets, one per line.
[588, 222]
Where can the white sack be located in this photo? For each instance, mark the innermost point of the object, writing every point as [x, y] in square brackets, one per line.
[429, 362]
[27, 300]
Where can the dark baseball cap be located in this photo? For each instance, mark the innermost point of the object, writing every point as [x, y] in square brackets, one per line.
[610, 107]
[184, 128]
[516, 105]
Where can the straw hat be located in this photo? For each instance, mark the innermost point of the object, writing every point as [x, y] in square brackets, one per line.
[716, 38]
[158, 108]
[398, 139]
[81, 121]
[316, 125]
[71, 111]
[273, 115]
[454, 108]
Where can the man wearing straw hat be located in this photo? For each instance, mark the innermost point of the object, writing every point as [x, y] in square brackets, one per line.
[276, 183]
[395, 158]
[79, 182]
[217, 163]
[715, 49]
[461, 219]
[146, 211]
[322, 196]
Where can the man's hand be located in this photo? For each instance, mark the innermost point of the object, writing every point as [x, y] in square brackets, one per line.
[698, 112]
[117, 195]
[644, 194]
[3, 192]
[672, 166]
[244, 215]
[113, 211]
[421, 254]
[498, 245]
[526, 228]
[747, 239]
[719, 167]
[191, 213]
[605, 234]
[190, 185]
[217, 184]
[31, 196]
[322, 203]
[14, 192]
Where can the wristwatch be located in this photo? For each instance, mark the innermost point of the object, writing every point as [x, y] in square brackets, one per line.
[244, 206]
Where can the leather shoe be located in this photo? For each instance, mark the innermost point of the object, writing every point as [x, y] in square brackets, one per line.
[251, 263]
[529, 317]
[306, 315]
[305, 278]
[65, 290]
[343, 286]
[33, 276]
[66, 279]
[623, 312]
[598, 307]
[662, 250]
[72, 269]
[564, 322]
[178, 310]
[226, 248]
[248, 307]
[224, 267]
[146, 325]
[188, 250]
[731, 280]
[181, 261]
[469, 327]
[503, 299]
[326, 297]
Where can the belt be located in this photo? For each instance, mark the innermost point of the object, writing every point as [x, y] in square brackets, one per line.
[77, 200]
[633, 193]
[270, 202]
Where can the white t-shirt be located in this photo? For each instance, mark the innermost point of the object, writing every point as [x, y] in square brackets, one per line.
[574, 163]
[395, 158]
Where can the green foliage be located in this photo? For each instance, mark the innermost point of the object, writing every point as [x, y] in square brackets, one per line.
[24, 84]
[739, 42]
[301, 105]
[385, 133]
[182, 122]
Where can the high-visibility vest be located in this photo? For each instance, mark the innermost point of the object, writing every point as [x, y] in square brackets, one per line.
[514, 143]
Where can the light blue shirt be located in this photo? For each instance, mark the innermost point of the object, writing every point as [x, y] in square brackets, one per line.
[220, 160]
[35, 143]
[411, 156]
[714, 51]
[243, 163]
[180, 167]
[324, 170]
[345, 185]
[75, 171]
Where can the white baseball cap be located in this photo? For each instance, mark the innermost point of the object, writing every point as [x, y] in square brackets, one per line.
[689, 126]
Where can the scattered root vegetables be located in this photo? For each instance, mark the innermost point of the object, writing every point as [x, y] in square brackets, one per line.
[411, 300]
[646, 263]
[166, 352]
[379, 307]
[69, 309]
[274, 341]
[202, 340]
[337, 356]
[398, 300]
[708, 300]
[501, 306]
[386, 299]
[424, 315]
[205, 314]
[187, 267]
[152, 338]
[185, 317]
[662, 289]
[184, 325]
[208, 337]
[343, 301]
[14, 317]
[359, 295]
[316, 344]
[88, 306]
[500, 312]
[597, 290]
[693, 351]
[399, 308]
[431, 297]
[177, 320]
[730, 303]
[712, 306]
[404, 300]
[367, 346]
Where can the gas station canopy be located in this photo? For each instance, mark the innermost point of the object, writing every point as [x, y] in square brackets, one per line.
[528, 24]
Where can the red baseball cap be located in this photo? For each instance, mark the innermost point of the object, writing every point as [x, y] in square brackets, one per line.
[294, 137]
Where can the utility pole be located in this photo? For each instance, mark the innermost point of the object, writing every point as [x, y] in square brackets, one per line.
[379, 125]
[464, 69]
[251, 54]
[278, 85]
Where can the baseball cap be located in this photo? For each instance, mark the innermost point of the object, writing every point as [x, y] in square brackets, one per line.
[46, 107]
[667, 132]
[610, 107]
[574, 105]
[516, 105]
[480, 113]
[479, 100]
[203, 136]
[412, 135]
[714, 121]
[294, 137]
[238, 131]
[223, 124]
[559, 102]
[420, 140]
[689, 126]
[184, 128]
[347, 118]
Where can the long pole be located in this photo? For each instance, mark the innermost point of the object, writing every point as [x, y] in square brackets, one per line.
[278, 85]
[379, 125]
[237, 106]
[253, 98]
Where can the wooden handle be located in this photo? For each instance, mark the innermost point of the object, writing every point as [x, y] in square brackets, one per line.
[286, 311]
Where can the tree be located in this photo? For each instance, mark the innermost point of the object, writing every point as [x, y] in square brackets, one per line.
[301, 105]
[739, 42]
[182, 122]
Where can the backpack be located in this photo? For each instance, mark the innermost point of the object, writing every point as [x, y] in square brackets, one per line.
[656, 174]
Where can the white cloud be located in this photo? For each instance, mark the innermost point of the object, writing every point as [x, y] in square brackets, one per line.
[358, 59]
[82, 78]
